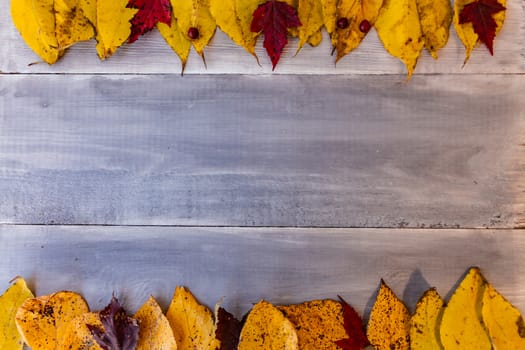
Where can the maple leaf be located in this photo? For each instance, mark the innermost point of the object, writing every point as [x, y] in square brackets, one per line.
[353, 324]
[121, 332]
[150, 13]
[480, 14]
[274, 18]
[228, 330]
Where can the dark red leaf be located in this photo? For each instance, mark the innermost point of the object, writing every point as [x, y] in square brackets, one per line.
[150, 12]
[480, 14]
[228, 330]
[274, 18]
[353, 324]
[121, 332]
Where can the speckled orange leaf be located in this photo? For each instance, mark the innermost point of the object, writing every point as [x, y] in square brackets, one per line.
[155, 331]
[77, 334]
[389, 325]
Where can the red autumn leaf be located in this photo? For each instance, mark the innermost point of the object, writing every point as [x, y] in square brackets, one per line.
[274, 18]
[353, 324]
[228, 330]
[480, 14]
[121, 332]
[150, 12]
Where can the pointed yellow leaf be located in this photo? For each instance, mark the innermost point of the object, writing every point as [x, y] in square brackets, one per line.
[77, 335]
[10, 301]
[177, 40]
[113, 25]
[155, 332]
[329, 10]
[89, 8]
[466, 32]
[389, 324]
[355, 12]
[319, 323]
[72, 25]
[267, 328]
[195, 14]
[192, 323]
[503, 321]
[310, 14]
[43, 321]
[461, 325]
[435, 17]
[399, 29]
[234, 17]
[35, 20]
[424, 324]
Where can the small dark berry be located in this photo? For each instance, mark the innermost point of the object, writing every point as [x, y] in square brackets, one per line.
[365, 26]
[193, 33]
[342, 23]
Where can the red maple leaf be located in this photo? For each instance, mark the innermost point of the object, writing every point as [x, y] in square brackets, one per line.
[274, 18]
[353, 324]
[150, 12]
[480, 14]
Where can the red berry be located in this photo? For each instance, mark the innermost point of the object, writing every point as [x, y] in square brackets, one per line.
[365, 26]
[342, 23]
[193, 33]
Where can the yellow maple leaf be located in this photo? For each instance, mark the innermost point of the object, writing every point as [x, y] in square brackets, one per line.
[461, 325]
[319, 323]
[435, 17]
[10, 301]
[267, 328]
[192, 323]
[155, 331]
[424, 324]
[44, 320]
[72, 25]
[113, 25]
[389, 324]
[503, 321]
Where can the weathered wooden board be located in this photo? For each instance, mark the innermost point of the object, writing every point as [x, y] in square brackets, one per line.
[349, 151]
[151, 55]
[245, 265]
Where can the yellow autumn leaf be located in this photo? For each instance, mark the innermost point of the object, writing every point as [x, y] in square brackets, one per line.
[234, 17]
[355, 18]
[35, 20]
[72, 25]
[503, 321]
[424, 324]
[319, 323]
[192, 323]
[267, 328]
[77, 336]
[10, 301]
[435, 17]
[461, 325]
[329, 10]
[177, 40]
[89, 9]
[113, 25]
[399, 29]
[310, 13]
[43, 321]
[195, 21]
[465, 31]
[155, 332]
[389, 324]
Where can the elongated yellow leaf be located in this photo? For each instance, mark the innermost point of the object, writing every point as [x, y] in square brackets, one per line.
[234, 17]
[10, 301]
[346, 38]
[113, 26]
[389, 324]
[503, 321]
[329, 9]
[35, 20]
[310, 14]
[461, 325]
[424, 324]
[435, 17]
[399, 29]
[192, 323]
[43, 321]
[155, 332]
[267, 328]
[72, 25]
[177, 40]
[76, 334]
[319, 323]
[195, 21]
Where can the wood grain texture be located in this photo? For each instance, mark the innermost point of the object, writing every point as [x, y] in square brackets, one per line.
[245, 265]
[257, 151]
[151, 55]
